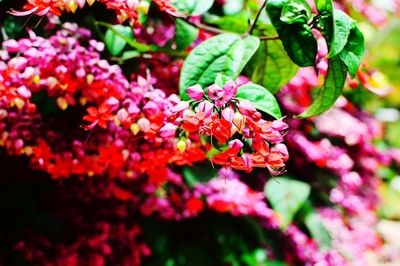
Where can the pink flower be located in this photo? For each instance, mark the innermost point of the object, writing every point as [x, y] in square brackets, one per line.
[235, 146]
[195, 92]
[230, 90]
[206, 107]
[168, 131]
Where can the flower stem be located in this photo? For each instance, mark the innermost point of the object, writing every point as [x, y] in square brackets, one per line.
[253, 25]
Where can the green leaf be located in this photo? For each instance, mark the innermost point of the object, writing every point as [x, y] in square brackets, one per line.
[261, 98]
[192, 7]
[225, 53]
[271, 67]
[297, 38]
[286, 197]
[221, 80]
[296, 11]
[198, 173]
[236, 23]
[317, 229]
[115, 43]
[354, 50]
[250, 44]
[342, 27]
[300, 44]
[334, 82]
[185, 35]
[324, 5]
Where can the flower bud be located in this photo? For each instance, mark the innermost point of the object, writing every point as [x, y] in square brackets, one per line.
[135, 129]
[168, 130]
[144, 124]
[206, 107]
[195, 92]
[228, 114]
[181, 145]
[235, 146]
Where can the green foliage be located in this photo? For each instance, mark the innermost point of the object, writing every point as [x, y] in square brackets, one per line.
[331, 90]
[295, 11]
[199, 173]
[343, 25]
[115, 43]
[271, 67]
[345, 42]
[354, 50]
[237, 23]
[192, 7]
[186, 34]
[314, 224]
[261, 98]
[286, 196]
[290, 21]
[225, 53]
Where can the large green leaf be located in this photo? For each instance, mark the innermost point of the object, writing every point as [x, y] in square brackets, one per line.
[114, 40]
[236, 23]
[185, 35]
[250, 44]
[295, 11]
[286, 197]
[225, 54]
[342, 27]
[192, 7]
[271, 67]
[297, 37]
[354, 50]
[334, 82]
[261, 98]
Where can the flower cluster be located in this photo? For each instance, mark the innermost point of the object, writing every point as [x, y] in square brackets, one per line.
[251, 141]
[339, 144]
[125, 9]
[137, 121]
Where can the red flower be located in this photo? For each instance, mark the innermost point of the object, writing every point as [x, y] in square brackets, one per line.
[98, 116]
[221, 130]
[40, 8]
[194, 205]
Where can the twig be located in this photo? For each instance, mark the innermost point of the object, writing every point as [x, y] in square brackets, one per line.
[257, 16]
[269, 38]
[206, 27]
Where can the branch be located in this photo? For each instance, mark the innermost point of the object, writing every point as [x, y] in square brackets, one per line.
[269, 38]
[206, 27]
[257, 16]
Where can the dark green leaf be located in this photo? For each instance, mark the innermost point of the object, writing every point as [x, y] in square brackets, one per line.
[286, 197]
[271, 67]
[225, 53]
[192, 7]
[354, 50]
[297, 38]
[325, 22]
[185, 35]
[334, 82]
[114, 38]
[296, 11]
[261, 98]
[342, 26]
[300, 44]
[199, 173]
